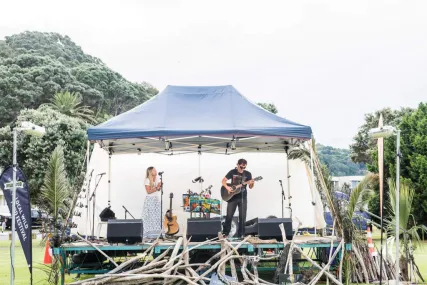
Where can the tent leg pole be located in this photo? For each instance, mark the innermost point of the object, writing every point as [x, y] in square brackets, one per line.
[313, 184]
[109, 179]
[288, 177]
[88, 188]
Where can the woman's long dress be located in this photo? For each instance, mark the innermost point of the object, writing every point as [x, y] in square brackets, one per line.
[152, 216]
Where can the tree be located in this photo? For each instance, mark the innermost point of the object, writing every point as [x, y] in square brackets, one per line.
[363, 146]
[34, 152]
[269, 107]
[408, 227]
[69, 104]
[413, 165]
[34, 66]
[338, 161]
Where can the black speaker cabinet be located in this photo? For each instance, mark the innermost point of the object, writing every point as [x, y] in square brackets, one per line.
[124, 231]
[200, 229]
[269, 228]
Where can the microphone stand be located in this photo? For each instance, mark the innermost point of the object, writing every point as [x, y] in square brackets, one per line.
[87, 202]
[283, 199]
[93, 205]
[161, 205]
[127, 211]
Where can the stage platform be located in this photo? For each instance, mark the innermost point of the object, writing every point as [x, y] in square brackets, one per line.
[254, 246]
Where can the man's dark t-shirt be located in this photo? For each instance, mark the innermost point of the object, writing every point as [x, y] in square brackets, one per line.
[236, 179]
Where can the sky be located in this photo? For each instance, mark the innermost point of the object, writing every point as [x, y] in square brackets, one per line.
[322, 63]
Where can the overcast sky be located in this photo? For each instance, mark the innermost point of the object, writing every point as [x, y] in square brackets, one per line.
[323, 65]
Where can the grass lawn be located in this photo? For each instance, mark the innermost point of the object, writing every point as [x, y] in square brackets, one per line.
[420, 253]
[22, 275]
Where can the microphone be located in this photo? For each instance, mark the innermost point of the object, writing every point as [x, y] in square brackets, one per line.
[197, 179]
[161, 172]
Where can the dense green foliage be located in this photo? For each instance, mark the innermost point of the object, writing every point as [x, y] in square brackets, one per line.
[47, 79]
[70, 104]
[363, 147]
[34, 152]
[34, 66]
[269, 107]
[338, 161]
[413, 164]
[413, 126]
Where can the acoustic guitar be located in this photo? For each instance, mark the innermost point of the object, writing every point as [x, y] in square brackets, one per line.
[236, 189]
[170, 222]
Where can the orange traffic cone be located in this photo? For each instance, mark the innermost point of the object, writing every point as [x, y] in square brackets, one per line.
[47, 253]
[371, 245]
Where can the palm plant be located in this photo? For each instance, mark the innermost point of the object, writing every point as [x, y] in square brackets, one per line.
[55, 194]
[343, 212]
[69, 103]
[409, 230]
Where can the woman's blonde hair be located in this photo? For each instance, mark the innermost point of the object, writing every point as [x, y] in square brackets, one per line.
[150, 176]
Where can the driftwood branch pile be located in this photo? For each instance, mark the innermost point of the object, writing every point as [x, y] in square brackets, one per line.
[173, 268]
[367, 267]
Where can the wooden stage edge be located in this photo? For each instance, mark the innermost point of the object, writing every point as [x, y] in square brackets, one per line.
[250, 246]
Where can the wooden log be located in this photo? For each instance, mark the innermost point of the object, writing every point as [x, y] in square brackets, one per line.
[132, 260]
[361, 263]
[97, 249]
[148, 255]
[134, 271]
[233, 269]
[217, 263]
[221, 267]
[333, 279]
[174, 253]
[326, 267]
[342, 258]
[186, 255]
[135, 278]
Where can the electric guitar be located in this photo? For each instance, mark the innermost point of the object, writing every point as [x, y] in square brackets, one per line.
[170, 222]
[236, 189]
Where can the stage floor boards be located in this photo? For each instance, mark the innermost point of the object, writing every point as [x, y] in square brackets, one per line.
[301, 241]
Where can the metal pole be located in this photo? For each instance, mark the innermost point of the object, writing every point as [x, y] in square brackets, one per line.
[397, 204]
[109, 179]
[313, 184]
[12, 250]
[288, 177]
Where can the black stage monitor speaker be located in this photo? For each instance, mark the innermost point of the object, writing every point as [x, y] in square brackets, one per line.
[124, 231]
[269, 228]
[200, 229]
[107, 214]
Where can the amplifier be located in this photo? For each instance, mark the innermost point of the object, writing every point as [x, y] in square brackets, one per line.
[200, 229]
[269, 228]
[124, 231]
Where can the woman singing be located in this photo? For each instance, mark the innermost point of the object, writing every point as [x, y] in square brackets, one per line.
[151, 215]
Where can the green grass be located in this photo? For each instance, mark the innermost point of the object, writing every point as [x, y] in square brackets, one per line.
[420, 253]
[22, 274]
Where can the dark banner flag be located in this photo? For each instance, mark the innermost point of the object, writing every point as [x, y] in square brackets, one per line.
[23, 208]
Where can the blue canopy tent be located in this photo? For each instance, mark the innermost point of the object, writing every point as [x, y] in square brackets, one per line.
[214, 119]
[183, 119]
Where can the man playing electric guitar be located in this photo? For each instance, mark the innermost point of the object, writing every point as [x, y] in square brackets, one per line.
[237, 177]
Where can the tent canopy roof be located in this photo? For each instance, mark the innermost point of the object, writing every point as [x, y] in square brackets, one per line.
[189, 119]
